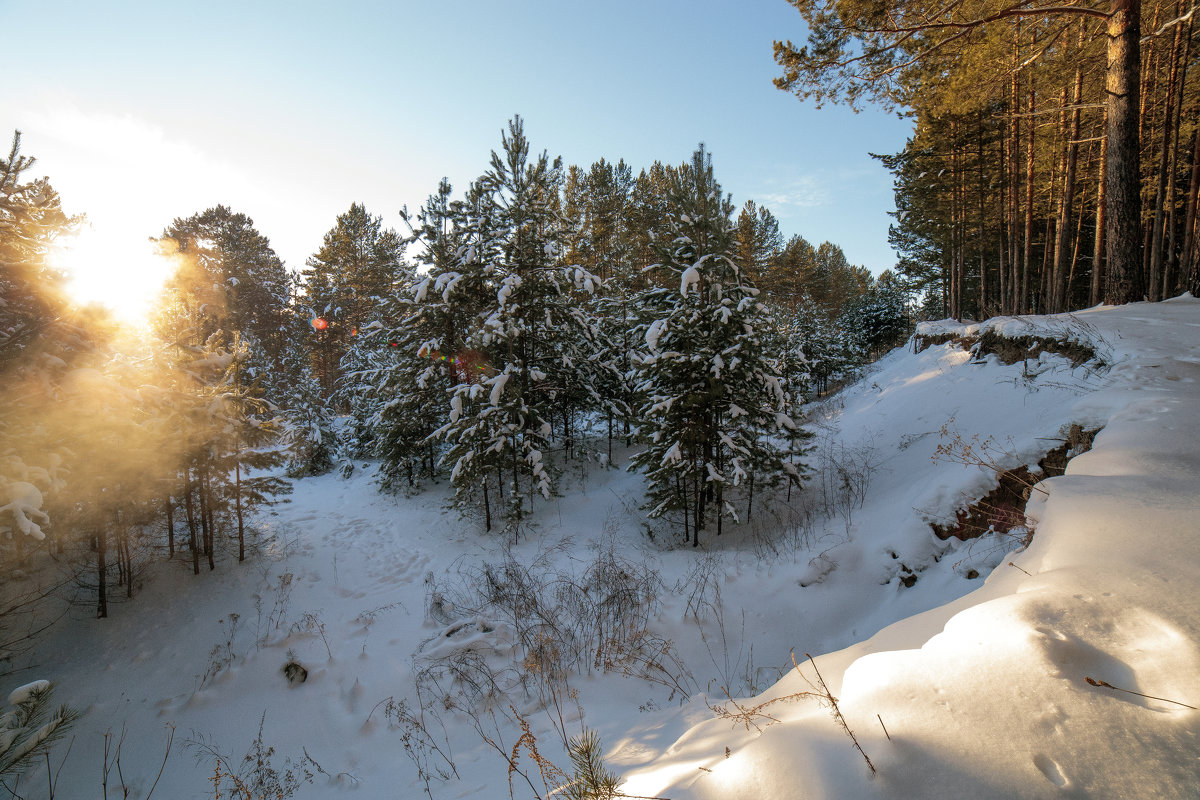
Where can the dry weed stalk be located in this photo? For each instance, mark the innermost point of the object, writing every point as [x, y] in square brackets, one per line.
[752, 716]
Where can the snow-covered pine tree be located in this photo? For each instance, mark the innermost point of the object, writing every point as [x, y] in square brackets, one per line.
[878, 319]
[422, 356]
[246, 440]
[231, 433]
[825, 347]
[308, 423]
[229, 280]
[715, 413]
[600, 239]
[452, 305]
[41, 340]
[359, 264]
[531, 336]
[28, 728]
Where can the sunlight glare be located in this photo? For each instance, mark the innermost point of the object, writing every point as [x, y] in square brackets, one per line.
[123, 274]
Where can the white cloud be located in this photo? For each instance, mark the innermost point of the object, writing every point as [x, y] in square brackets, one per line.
[804, 192]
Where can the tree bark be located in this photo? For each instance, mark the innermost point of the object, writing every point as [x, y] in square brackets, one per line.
[1172, 277]
[193, 544]
[1067, 198]
[102, 572]
[1011, 302]
[1098, 245]
[170, 527]
[1124, 283]
[1190, 263]
[1027, 256]
[1156, 278]
[237, 499]
[983, 295]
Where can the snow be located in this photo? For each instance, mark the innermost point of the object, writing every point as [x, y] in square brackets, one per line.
[22, 693]
[21, 509]
[987, 696]
[498, 384]
[654, 332]
[689, 278]
[982, 684]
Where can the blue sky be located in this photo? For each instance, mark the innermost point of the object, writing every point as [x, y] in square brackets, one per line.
[141, 112]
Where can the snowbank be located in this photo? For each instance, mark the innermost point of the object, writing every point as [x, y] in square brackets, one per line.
[989, 696]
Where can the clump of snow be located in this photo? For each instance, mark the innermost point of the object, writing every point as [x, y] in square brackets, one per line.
[21, 509]
[689, 278]
[23, 693]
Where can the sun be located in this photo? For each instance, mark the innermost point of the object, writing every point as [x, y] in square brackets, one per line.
[122, 273]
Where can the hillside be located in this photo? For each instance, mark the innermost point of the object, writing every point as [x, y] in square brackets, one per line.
[988, 696]
[978, 675]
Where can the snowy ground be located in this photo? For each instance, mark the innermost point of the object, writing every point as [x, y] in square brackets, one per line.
[981, 684]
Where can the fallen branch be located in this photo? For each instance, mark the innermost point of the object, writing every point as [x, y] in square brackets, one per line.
[1107, 685]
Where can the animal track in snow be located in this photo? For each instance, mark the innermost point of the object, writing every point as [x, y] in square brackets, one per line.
[1050, 768]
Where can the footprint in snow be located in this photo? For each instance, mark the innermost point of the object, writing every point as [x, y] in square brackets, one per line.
[1050, 768]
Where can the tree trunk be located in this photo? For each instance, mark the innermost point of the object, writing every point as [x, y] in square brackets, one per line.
[1171, 274]
[610, 436]
[102, 572]
[1190, 264]
[170, 528]
[1059, 293]
[750, 498]
[983, 295]
[1023, 305]
[1156, 278]
[487, 507]
[1098, 245]
[207, 519]
[1010, 303]
[1124, 280]
[237, 499]
[193, 544]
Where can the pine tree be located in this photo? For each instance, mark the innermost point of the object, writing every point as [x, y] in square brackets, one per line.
[245, 440]
[38, 345]
[415, 364]
[530, 337]
[230, 281]
[29, 728]
[878, 320]
[359, 264]
[759, 242]
[714, 399]
[308, 433]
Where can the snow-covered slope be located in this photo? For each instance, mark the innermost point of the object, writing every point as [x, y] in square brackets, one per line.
[983, 692]
[989, 696]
